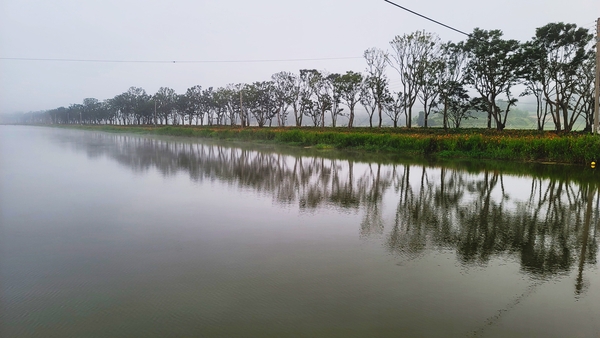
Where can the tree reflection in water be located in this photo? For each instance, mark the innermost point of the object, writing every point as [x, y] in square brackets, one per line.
[551, 226]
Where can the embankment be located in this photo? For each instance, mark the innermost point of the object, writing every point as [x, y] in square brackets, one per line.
[513, 145]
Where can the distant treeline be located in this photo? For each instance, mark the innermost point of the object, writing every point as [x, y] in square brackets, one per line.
[556, 67]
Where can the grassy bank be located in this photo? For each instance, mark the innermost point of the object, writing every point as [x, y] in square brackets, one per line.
[513, 145]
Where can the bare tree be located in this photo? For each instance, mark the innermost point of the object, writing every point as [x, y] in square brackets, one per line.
[409, 59]
[430, 71]
[285, 93]
[377, 81]
[454, 59]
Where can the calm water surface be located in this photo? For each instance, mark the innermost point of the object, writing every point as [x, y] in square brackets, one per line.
[111, 235]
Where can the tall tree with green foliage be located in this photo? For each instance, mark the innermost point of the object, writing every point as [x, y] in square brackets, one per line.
[584, 89]
[285, 90]
[366, 98]
[336, 97]
[492, 70]
[142, 106]
[394, 107]
[309, 78]
[205, 105]
[296, 87]
[561, 51]
[221, 98]
[233, 102]
[75, 112]
[411, 58]
[90, 109]
[315, 95]
[165, 99]
[454, 59]
[532, 77]
[261, 101]
[459, 105]
[349, 85]
[193, 100]
[430, 76]
[321, 89]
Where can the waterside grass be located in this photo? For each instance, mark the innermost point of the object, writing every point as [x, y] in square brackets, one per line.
[513, 145]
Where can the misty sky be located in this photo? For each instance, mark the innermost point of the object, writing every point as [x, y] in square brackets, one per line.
[211, 30]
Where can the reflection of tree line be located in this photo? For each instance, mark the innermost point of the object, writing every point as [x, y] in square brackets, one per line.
[550, 231]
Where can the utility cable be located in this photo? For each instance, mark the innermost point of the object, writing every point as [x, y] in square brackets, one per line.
[225, 61]
[428, 18]
[177, 61]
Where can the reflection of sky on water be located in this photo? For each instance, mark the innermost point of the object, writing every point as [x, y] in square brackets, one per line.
[411, 208]
[237, 234]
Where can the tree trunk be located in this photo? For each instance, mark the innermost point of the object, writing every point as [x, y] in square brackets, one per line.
[568, 126]
[425, 115]
[445, 117]
[298, 119]
[351, 119]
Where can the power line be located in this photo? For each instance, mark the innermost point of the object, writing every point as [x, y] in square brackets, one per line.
[177, 61]
[428, 18]
[223, 61]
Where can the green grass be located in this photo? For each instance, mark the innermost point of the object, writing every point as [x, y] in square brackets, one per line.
[513, 145]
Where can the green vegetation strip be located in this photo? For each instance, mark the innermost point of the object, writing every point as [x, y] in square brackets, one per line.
[514, 145]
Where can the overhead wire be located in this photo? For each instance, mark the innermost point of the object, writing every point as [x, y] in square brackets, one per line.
[428, 18]
[224, 61]
[240, 61]
[176, 61]
[587, 26]
[392, 83]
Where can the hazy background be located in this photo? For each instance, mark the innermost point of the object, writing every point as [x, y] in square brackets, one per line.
[186, 30]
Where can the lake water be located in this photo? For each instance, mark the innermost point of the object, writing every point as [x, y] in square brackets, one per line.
[113, 235]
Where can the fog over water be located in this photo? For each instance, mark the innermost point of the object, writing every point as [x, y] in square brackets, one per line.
[125, 236]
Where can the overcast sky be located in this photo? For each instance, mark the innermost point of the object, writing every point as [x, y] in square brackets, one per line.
[211, 30]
